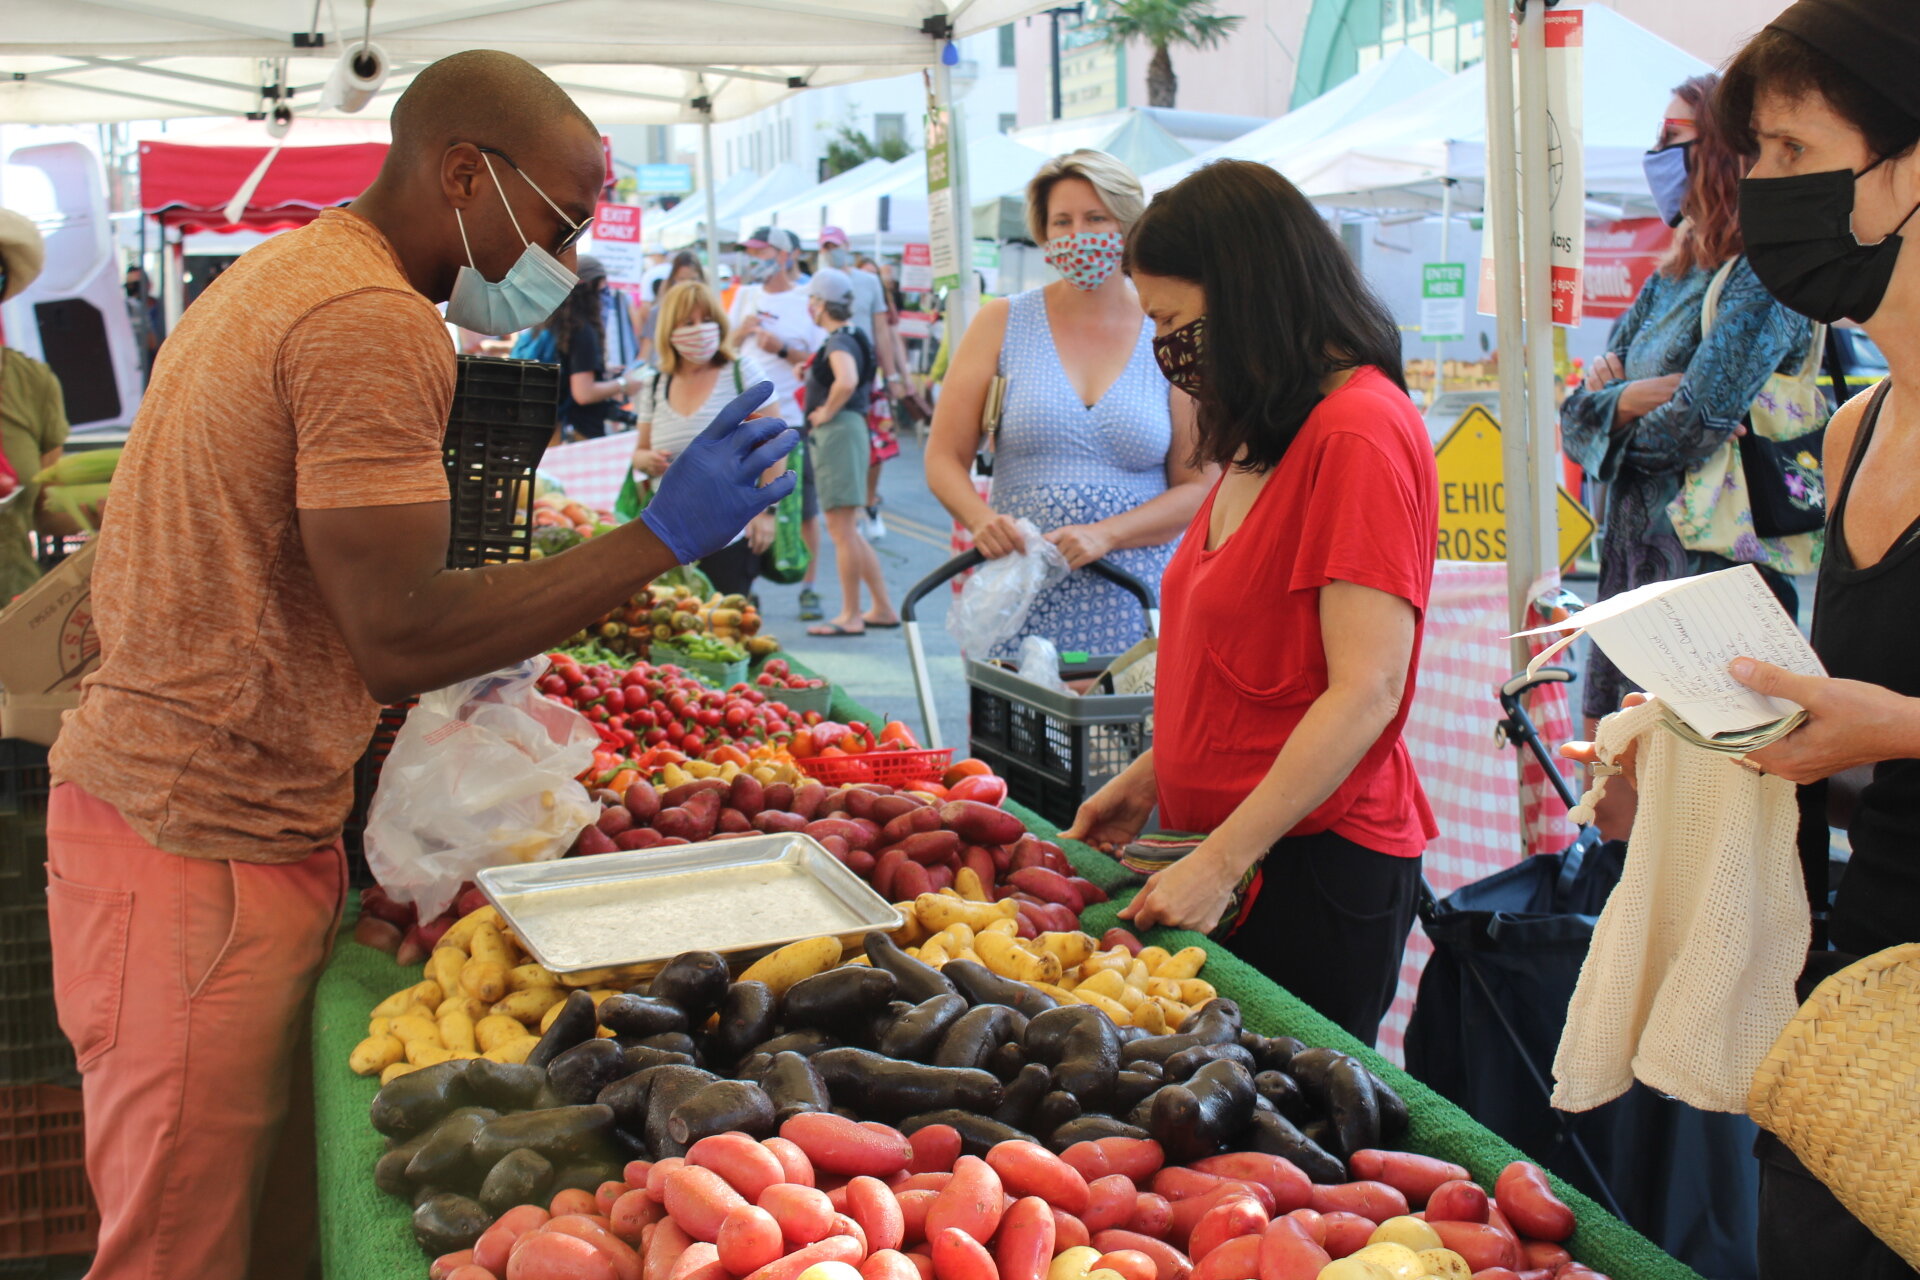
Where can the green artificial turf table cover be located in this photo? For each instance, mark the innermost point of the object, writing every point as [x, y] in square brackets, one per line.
[366, 1235]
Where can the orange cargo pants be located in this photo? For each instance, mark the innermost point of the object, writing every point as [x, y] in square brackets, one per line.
[186, 986]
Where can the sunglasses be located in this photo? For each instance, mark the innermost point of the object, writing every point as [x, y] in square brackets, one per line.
[575, 229]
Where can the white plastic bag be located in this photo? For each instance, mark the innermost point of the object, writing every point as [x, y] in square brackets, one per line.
[1039, 662]
[481, 775]
[1000, 594]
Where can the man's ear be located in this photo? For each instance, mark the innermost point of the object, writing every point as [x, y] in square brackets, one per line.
[461, 174]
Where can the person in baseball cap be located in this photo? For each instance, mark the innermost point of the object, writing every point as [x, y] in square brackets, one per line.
[779, 239]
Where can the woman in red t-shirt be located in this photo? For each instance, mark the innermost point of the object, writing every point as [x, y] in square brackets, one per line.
[1293, 608]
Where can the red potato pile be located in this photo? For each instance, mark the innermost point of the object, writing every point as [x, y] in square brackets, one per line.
[832, 1198]
[904, 843]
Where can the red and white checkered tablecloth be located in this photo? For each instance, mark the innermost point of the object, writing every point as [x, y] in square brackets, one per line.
[592, 471]
[1472, 780]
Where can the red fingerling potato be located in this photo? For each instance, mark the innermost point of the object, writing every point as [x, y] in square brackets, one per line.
[833, 1249]
[1543, 1255]
[1237, 1259]
[443, 1267]
[1169, 1262]
[1110, 1202]
[935, 1148]
[1481, 1245]
[1128, 1264]
[1138, 1158]
[749, 1239]
[547, 1255]
[1025, 1245]
[1228, 1221]
[1152, 1216]
[805, 1214]
[913, 1214]
[573, 1200]
[793, 1161]
[657, 1177]
[1345, 1233]
[1029, 1169]
[1068, 1231]
[470, 1272]
[1529, 1203]
[1290, 1188]
[1288, 1251]
[626, 1263]
[958, 1256]
[748, 1167]
[1458, 1201]
[835, 1144]
[873, 1204]
[973, 1203]
[1414, 1176]
[700, 1200]
[632, 1214]
[664, 1248]
[888, 1264]
[1372, 1200]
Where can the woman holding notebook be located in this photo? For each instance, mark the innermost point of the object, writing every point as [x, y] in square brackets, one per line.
[1292, 610]
[1827, 99]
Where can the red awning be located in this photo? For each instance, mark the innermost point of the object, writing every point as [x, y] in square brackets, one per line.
[185, 185]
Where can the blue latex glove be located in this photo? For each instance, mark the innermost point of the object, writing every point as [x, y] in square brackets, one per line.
[712, 490]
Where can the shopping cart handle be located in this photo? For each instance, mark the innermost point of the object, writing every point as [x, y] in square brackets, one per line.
[969, 559]
[1530, 679]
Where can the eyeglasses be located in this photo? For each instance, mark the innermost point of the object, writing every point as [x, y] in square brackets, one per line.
[575, 229]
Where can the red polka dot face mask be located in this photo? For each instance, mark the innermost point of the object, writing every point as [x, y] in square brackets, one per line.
[1086, 259]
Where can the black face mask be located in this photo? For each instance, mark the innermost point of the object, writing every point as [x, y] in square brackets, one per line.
[133, 289]
[1799, 234]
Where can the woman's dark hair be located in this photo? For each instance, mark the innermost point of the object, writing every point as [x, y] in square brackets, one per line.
[1780, 62]
[1711, 233]
[582, 308]
[687, 258]
[1286, 306]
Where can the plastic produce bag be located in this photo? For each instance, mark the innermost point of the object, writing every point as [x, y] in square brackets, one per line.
[1040, 662]
[482, 774]
[998, 597]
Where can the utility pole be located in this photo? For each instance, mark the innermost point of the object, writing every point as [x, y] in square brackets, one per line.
[1053, 19]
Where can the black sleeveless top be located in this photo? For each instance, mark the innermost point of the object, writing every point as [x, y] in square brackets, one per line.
[1863, 626]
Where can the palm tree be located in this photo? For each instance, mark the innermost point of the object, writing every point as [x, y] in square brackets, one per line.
[1163, 24]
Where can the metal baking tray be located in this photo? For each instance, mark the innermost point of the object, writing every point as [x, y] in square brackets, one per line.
[742, 898]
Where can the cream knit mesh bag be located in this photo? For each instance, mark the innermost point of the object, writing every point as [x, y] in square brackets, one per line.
[1689, 980]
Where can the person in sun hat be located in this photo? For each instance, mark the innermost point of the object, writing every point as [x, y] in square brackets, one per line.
[33, 421]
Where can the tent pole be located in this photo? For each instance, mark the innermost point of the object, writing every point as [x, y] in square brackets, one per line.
[712, 195]
[1446, 243]
[1503, 225]
[966, 301]
[1532, 494]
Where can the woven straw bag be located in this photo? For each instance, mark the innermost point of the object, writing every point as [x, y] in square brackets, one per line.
[1841, 1088]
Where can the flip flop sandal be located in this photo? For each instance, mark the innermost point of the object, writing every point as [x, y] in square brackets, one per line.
[832, 630]
[880, 626]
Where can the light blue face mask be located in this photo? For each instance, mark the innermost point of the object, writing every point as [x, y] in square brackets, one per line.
[531, 290]
[1669, 178]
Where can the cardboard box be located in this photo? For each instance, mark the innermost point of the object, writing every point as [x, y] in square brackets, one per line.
[47, 644]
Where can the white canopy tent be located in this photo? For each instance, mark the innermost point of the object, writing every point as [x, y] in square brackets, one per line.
[669, 227]
[686, 223]
[804, 214]
[1393, 79]
[1404, 156]
[896, 205]
[624, 61]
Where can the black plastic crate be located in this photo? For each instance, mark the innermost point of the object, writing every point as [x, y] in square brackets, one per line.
[1054, 749]
[32, 1048]
[502, 420]
[24, 786]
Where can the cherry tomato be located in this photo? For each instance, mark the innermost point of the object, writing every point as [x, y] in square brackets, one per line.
[692, 743]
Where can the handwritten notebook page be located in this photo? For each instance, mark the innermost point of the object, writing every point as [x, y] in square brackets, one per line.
[1676, 639]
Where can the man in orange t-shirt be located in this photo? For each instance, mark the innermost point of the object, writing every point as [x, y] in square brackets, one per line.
[273, 569]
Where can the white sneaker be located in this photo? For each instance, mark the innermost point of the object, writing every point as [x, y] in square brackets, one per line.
[873, 527]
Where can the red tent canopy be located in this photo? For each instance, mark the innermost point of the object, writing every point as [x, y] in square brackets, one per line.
[188, 185]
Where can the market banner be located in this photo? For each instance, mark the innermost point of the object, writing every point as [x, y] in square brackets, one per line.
[616, 242]
[945, 245]
[1621, 257]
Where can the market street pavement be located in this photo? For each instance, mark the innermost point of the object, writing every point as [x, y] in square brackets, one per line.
[874, 668]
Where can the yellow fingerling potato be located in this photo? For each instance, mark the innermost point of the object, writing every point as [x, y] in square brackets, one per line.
[1445, 1264]
[1117, 960]
[1174, 1012]
[487, 944]
[1396, 1260]
[956, 938]
[512, 1051]
[911, 932]
[409, 1027]
[1139, 976]
[795, 962]
[1074, 949]
[527, 1006]
[395, 1071]
[427, 993]
[460, 936]
[1149, 1018]
[456, 1032]
[966, 882]
[1073, 1264]
[484, 979]
[426, 1053]
[1184, 963]
[474, 1009]
[1061, 994]
[375, 1054]
[527, 977]
[1112, 1008]
[1006, 957]
[1009, 926]
[379, 1026]
[1106, 983]
[495, 1030]
[443, 966]
[933, 953]
[936, 911]
[1132, 998]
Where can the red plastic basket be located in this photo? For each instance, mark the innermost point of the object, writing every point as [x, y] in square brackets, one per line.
[46, 1207]
[891, 767]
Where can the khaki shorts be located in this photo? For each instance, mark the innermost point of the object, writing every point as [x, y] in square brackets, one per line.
[840, 451]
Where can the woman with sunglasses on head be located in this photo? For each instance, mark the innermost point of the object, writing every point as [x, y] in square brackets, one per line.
[1666, 395]
[1293, 609]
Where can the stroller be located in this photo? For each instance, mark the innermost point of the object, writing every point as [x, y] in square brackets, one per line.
[1507, 952]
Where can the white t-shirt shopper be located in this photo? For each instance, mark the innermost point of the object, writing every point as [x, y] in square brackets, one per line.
[784, 315]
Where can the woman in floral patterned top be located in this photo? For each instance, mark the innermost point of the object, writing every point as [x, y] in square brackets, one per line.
[1663, 397]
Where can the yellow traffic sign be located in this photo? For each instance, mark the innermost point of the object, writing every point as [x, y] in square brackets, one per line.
[1473, 496]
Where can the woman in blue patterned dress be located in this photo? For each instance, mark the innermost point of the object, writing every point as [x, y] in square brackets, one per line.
[1094, 447]
[1663, 397]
